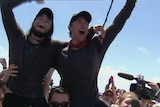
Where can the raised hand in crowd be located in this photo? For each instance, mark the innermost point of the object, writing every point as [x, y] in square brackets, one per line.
[9, 72]
[3, 62]
[47, 81]
[153, 86]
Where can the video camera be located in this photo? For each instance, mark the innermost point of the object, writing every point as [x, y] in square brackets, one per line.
[139, 88]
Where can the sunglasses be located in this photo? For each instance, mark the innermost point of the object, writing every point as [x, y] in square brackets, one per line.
[56, 104]
[110, 95]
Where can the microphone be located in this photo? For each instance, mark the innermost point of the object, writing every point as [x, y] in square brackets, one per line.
[126, 76]
[131, 77]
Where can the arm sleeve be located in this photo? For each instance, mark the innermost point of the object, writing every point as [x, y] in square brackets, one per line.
[9, 22]
[117, 24]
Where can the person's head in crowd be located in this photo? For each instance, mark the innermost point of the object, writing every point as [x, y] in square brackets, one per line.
[128, 99]
[108, 96]
[120, 92]
[79, 25]
[59, 97]
[42, 26]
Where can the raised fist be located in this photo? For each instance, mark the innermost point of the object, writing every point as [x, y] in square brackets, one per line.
[111, 80]
[3, 62]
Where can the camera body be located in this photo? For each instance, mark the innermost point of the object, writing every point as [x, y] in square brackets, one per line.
[142, 91]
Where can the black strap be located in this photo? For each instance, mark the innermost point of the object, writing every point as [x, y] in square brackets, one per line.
[108, 13]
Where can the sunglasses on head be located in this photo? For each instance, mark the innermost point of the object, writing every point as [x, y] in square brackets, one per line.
[56, 104]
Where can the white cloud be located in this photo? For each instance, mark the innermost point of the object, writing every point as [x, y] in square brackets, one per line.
[155, 79]
[123, 68]
[104, 75]
[158, 60]
[143, 50]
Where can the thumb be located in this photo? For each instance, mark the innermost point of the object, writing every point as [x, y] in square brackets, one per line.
[50, 72]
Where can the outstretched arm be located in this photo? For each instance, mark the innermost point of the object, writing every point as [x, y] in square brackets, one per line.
[9, 21]
[8, 18]
[47, 81]
[118, 23]
[116, 26]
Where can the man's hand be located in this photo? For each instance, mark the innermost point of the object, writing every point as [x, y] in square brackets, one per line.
[154, 86]
[99, 30]
[9, 72]
[3, 62]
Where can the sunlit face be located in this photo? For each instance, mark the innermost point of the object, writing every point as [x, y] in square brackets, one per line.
[79, 30]
[108, 96]
[129, 97]
[42, 24]
[59, 100]
[126, 103]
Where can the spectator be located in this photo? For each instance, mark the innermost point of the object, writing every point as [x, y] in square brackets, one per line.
[128, 99]
[108, 97]
[11, 72]
[120, 92]
[59, 97]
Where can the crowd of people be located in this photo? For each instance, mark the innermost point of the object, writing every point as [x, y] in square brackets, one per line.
[58, 96]
[27, 80]
[116, 97]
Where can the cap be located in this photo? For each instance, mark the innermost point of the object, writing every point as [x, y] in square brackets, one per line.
[83, 14]
[50, 16]
[46, 11]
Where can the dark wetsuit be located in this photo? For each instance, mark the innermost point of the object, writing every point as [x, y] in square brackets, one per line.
[79, 68]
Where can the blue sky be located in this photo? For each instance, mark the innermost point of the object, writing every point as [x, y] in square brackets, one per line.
[135, 50]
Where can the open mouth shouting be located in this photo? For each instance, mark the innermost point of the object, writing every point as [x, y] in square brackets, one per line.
[40, 26]
[81, 32]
